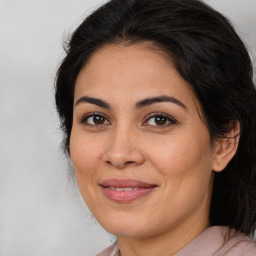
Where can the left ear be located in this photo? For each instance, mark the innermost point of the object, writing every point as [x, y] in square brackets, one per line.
[225, 148]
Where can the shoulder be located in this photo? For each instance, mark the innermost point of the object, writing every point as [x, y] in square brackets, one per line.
[220, 241]
[112, 250]
[238, 245]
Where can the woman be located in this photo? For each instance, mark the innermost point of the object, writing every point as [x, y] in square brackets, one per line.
[157, 104]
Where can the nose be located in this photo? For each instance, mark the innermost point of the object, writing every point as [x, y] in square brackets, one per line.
[122, 149]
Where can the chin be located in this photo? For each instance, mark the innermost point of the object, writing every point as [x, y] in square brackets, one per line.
[121, 226]
[127, 231]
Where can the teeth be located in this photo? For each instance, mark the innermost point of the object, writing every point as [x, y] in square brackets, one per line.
[128, 189]
[123, 189]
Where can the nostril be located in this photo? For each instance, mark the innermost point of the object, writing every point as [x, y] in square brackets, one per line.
[128, 162]
[121, 164]
[121, 159]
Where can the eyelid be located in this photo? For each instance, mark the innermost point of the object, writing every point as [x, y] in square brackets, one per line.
[168, 117]
[171, 120]
[86, 116]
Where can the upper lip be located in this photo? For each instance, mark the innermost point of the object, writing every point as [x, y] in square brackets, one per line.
[125, 183]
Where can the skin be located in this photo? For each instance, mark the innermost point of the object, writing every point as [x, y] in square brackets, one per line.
[130, 144]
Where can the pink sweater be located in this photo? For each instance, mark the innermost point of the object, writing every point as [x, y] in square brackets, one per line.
[214, 241]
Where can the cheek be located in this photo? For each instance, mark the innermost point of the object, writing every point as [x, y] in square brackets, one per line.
[85, 154]
[185, 170]
[183, 159]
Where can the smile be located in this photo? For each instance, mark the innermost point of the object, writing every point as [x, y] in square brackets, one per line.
[125, 191]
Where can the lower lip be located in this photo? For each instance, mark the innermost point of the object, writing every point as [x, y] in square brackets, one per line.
[126, 196]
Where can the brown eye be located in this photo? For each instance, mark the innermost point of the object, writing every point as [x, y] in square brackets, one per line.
[95, 119]
[98, 119]
[160, 120]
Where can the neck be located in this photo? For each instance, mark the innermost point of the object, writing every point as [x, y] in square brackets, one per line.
[168, 243]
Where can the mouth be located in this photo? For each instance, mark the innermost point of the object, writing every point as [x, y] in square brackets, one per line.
[127, 190]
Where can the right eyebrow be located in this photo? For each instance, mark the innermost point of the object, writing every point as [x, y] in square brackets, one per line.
[95, 101]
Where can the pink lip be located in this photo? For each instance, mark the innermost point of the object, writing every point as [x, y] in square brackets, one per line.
[133, 189]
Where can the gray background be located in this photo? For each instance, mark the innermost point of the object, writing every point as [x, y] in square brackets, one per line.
[41, 212]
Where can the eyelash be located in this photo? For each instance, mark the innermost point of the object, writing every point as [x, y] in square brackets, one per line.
[169, 119]
[85, 119]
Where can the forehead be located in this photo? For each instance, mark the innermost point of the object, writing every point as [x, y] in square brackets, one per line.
[121, 72]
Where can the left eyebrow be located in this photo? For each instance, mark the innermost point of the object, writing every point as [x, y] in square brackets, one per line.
[158, 99]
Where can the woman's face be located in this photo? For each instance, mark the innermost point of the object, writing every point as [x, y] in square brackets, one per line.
[141, 153]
